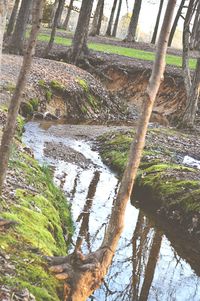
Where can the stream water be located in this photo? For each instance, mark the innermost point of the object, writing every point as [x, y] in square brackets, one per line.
[147, 265]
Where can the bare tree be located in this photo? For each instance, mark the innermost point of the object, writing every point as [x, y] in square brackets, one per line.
[97, 16]
[131, 35]
[59, 22]
[195, 34]
[153, 40]
[9, 130]
[3, 13]
[100, 18]
[66, 22]
[114, 32]
[54, 8]
[84, 273]
[12, 19]
[110, 22]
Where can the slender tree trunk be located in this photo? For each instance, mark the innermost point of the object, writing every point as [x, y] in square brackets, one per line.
[79, 43]
[176, 22]
[109, 28]
[16, 44]
[12, 18]
[100, 18]
[66, 22]
[131, 36]
[59, 22]
[3, 13]
[153, 40]
[96, 18]
[195, 35]
[83, 274]
[114, 32]
[54, 26]
[54, 9]
[9, 130]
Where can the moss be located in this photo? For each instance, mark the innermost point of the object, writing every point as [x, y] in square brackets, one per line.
[92, 101]
[26, 109]
[84, 109]
[35, 103]
[42, 83]
[83, 84]
[56, 85]
[10, 87]
[48, 95]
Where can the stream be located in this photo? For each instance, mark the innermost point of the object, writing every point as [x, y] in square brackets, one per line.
[148, 265]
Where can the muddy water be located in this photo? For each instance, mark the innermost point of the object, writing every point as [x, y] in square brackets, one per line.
[147, 265]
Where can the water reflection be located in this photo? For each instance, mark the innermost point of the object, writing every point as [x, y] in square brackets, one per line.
[146, 266]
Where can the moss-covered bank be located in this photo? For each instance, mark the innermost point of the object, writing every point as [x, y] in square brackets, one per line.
[163, 183]
[43, 226]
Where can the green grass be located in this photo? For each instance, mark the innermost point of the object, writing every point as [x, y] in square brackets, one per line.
[130, 52]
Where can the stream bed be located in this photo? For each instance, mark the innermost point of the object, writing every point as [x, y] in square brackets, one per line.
[147, 265]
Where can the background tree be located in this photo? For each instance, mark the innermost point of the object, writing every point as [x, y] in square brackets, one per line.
[153, 40]
[97, 16]
[100, 18]
[195, 34]
[83, 274]
[3, 13]
[174, 26]
[59, 21]
[131, 35]
[110, 22]
[114, 32]
[66, 21]
[16, 44]
[54, 8]
[79, 42]
[9, 130]
[12, 19]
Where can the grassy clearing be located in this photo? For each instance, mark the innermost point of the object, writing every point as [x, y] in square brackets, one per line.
[130, 52]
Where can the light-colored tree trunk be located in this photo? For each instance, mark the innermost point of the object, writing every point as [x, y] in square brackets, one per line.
[83, 274]
[195, 35]
[13, 17]
[9, 130]
[3, 13]
[100, 18]
[114, 32]
[153, 40]
[95, 21]
[66, 22]
[131, 35]
[110, 22]
[59, 21]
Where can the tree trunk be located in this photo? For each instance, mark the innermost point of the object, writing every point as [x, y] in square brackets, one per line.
[96, 18]
[83, 274]
[79, 43]
[16, 44]
[65, 24]
[153, 40]
[109, 28]
[176, 22]
[195, 35]
[117, 19]
[100, 18]
[54, 26]
[54, 9]
[131, 36]
[12, 18]
[59, 21]
[3, 13]
[9, 130]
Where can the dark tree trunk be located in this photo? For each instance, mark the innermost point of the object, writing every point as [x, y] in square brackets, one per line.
[100, 18]
[195, 35]
[153, 40]
[16, 44]
[96, 18]
[54, 26]
[79, 43]
[109, 28]
[59, 21]
[114, 32]
[176, 22]
[55, 6]
[66, 22]
[9, 130]
[131, 36]
[13, 17]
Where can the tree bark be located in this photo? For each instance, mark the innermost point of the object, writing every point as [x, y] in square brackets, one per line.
[3, 13]
[59, 21]
[12, 18]
[153, 40]
[114, 32]
[83, 274]
[100, 18]
[79, 43]
[96, 18]
[16, 44]
[109, 28]
[55, 6]
[195, 35]
[54, 26]
[131, 35]
[176, 22]
[9, 130]
[66, 22]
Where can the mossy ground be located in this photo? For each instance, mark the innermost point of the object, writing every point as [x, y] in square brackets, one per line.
[43, 220]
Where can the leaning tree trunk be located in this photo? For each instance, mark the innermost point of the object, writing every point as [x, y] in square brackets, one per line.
[66, 22]
[12, 18]
[79, 43]
[9, 130]
[153, 40]
[3, 13]
[109, 28]
[131, 36]
[114, 32]
[54, 26]
[178, 15]
[100, 18]
[16, 44]
[95, 21]
[83, 274]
